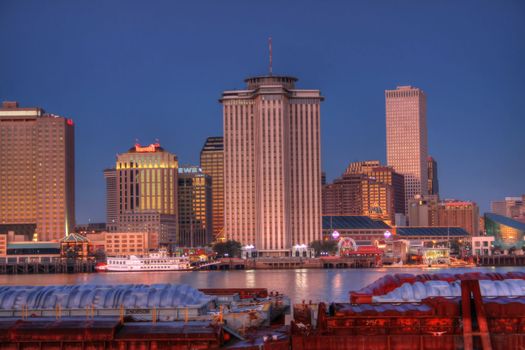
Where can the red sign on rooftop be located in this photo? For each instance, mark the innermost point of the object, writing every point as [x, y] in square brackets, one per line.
[146, 149]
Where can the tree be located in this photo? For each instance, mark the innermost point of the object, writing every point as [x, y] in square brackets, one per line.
[100, 255]
[328, 247]
[229, 248]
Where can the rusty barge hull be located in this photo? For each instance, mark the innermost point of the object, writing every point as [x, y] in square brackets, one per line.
[106, 334]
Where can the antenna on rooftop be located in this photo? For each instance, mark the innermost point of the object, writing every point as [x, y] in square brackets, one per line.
[270, 48]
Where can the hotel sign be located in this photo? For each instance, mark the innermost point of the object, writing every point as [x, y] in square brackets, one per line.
[146, 149]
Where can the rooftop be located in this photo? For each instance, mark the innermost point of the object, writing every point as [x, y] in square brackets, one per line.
[505, 221]
[138, 148]
[74, 237]
[33, 245]
[352, 222]
[431, 231]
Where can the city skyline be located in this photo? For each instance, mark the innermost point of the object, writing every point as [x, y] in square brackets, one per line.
[460, 116]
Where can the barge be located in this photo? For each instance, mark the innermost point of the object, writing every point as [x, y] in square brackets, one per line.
[440, 311]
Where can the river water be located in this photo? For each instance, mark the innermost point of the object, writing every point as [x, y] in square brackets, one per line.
[300, 284]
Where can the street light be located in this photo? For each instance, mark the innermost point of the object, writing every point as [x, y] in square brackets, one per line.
[249, 248]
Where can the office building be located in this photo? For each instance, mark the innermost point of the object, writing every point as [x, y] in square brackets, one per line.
[464, 214]
[112, 198]
[37, 172]
[432, 171]
[195, 207]
[366, 188]
[212, 164]
[394, 199]
[406, 138]
[423, 211]
[343, 197]
[272, 164]
[147, 192]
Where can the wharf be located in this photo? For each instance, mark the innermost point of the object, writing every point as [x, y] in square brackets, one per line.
[278, 263]
[62, 266]
[500, 260]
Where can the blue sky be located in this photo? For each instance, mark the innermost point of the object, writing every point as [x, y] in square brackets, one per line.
[126, 70]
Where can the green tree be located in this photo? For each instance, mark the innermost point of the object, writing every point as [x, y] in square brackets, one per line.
[229, 248]
[329, 247]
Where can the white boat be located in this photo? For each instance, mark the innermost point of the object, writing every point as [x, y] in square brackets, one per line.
[158, 261]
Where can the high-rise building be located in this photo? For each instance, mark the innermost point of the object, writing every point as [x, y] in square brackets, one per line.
[406, 138]
[344, 196]
[112, 208]
[362, 167]
[212, 164]
[433, 184]
[37, 170]
[382, 175]
[147, 192]
[272, 164]
[195, 207]
[464, 214]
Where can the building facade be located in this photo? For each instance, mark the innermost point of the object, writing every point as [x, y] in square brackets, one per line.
[112, 199]
[212, 164]
[363, 229]
[464, 214]
[343, 196]
[406, 138]
[433, 183]
[391, 183]
[37, 172]
[423, 211]
[508, 233]
[146, 179]
[366, 188]
[195, 207]
[128, 243]
[272, 164]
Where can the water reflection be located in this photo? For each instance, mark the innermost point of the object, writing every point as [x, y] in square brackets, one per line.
[301, 284]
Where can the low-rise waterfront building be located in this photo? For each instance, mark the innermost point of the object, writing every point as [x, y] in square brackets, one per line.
[123, 243]
[508, 233]
[482, 245]
[437, 234]
[360, 228]
[15, 249]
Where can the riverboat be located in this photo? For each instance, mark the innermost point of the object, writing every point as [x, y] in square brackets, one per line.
[158, 261]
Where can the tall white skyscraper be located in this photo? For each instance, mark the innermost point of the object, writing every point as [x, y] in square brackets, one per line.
[406, 138]
[272, 164]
